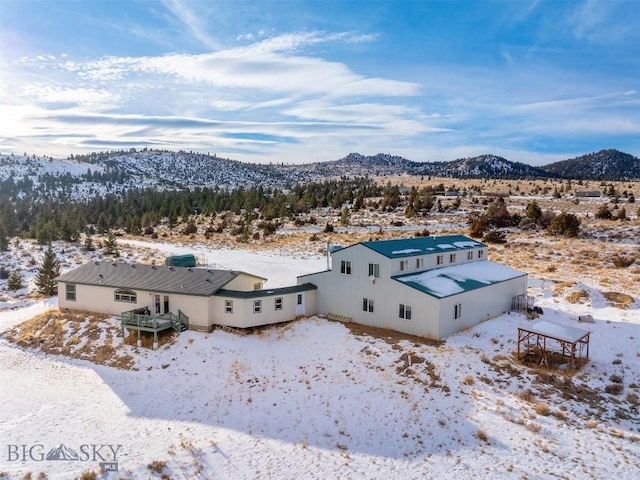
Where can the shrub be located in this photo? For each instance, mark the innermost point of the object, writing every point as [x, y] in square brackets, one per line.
[614, 388]
[565, 224]
[603, 213]
[157, 466]
[542, 409]
[620, 261]
[482, 435]
[328, 228]
[88, 475]
[495, 236]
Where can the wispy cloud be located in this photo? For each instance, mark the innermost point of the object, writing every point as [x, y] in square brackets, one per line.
[192, 21]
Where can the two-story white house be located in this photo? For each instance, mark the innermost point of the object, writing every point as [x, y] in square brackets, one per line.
[425, 286]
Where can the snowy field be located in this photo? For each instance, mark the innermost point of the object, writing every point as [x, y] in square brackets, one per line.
[312, 400]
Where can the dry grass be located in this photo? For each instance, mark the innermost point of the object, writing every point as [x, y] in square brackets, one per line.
[72, 334]
[618, 300]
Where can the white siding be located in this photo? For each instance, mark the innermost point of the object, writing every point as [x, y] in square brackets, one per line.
[479, 305]
[343, 294]
[99, 299]
[243, 282]
[244, 317]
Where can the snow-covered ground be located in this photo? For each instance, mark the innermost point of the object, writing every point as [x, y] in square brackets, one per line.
[311, 399]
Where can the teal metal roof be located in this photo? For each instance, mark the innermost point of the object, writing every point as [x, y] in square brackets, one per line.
[409, 247]
[447, 281]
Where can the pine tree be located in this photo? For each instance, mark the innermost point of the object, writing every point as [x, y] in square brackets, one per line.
[15, 280]
[4, 241]
[111, 245]
[88, 244]
[49, 270]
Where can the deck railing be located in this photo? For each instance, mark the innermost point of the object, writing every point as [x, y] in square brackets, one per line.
[132, 319]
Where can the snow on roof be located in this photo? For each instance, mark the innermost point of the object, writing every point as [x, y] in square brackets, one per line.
[446, 281]
[467, 244]
[406, 251]
[446, 245]
[557, 331]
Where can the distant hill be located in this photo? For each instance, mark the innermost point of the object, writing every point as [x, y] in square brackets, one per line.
[484, 166]
[603, 165]
[82, 176]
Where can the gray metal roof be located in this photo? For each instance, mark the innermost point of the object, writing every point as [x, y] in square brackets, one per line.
[267, 292]
[152, 278]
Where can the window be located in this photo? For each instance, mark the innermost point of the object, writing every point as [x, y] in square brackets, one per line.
[228, 306]
[257, 286]
[374, 270]
[257, 306]
[345, 267]
[70, 290]
[166, 303]
[279, 303]
[420, 262]
[157, 302]
[440, 259]
[125, 296]
[480, 253]
[404, 311]
[452, 258]
[457, 311]
[470, 255]
[404, 265]
[367, 305]
[299, 299]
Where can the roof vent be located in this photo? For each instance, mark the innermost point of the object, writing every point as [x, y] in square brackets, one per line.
[114, 264]
[96, 262]
[133, 266]
[153, 267]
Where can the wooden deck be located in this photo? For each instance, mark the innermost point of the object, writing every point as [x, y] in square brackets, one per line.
[141, 322]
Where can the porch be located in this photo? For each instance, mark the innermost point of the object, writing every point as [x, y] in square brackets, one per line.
[141, 320]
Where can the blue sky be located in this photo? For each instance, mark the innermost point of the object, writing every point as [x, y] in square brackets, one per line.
[301, 81]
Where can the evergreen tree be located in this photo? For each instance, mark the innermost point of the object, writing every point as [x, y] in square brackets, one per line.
[111, 245]
[534, 212]
[15, 280]
[4, 241]
[49, 270]
[88, 244]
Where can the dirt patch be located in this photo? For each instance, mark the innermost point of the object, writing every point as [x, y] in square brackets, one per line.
[389, 336]
[81, 335]
[618, 300]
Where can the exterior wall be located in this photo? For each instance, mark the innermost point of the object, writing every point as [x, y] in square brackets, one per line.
[102, 300]
[343, 294]
[243, 315]
[244, 282]
[478, 305]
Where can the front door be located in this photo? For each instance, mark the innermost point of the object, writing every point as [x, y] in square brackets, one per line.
[300, 304]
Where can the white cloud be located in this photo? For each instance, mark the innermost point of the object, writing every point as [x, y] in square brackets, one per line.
[193, 21]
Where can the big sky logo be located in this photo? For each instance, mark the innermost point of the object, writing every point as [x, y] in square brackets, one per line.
[105, 454]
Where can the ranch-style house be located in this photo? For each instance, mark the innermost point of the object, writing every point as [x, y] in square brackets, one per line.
[425, 286]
